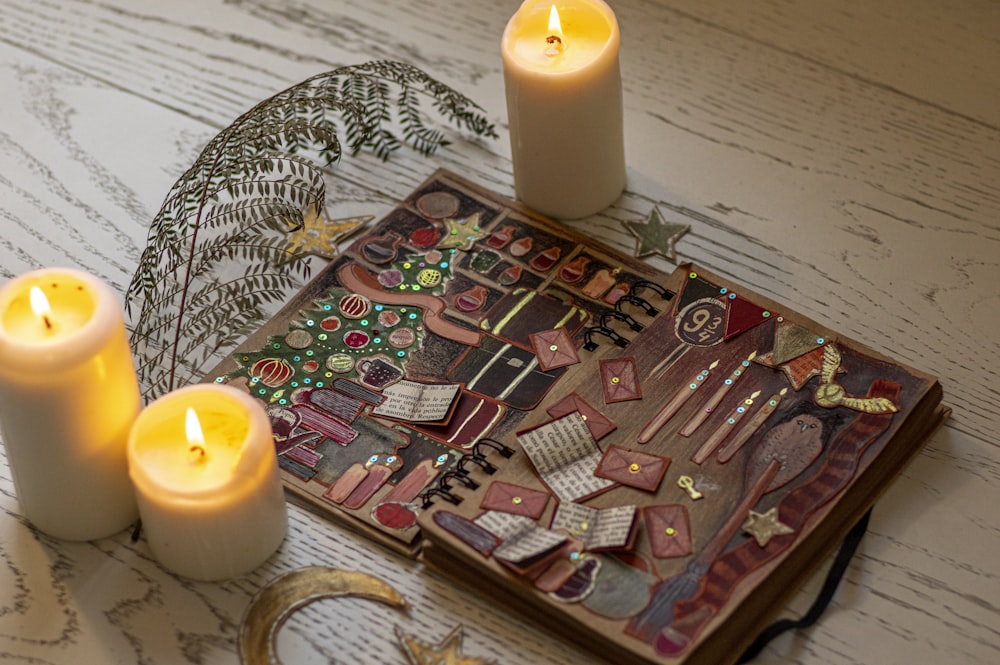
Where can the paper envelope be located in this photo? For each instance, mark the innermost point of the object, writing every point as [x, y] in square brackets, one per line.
[598, 424]
[632, 467]
[554, 348]
[619, 379]
[514, 499]
[669, 530]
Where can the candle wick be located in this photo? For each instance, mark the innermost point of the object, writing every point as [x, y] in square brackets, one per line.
[48, 322]
[196, 453]
[556, 45]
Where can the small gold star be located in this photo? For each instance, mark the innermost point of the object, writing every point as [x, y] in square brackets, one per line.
[319, 236]
[656, 236]
[461, 233]
[447, 652]
[764, 526]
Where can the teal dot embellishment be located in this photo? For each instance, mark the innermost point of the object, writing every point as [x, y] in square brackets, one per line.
[319, 384]
[218, 379]
[262, 391]
[693, 386]
[401, 354]
[294, 384]
[297, 358]
[310, 353]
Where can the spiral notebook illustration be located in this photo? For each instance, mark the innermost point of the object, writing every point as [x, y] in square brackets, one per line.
[650, 462]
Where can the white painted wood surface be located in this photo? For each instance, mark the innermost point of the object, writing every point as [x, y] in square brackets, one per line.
[844, 156]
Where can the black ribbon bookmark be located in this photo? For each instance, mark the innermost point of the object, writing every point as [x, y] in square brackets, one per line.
[833, 577]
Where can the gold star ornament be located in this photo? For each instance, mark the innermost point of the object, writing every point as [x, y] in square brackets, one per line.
[320, 236]
[447, 652]
[765, 526]
[656, 236]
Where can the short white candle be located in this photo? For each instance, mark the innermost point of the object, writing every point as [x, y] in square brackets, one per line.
[564, 105]
[68, 395]
[203, 462]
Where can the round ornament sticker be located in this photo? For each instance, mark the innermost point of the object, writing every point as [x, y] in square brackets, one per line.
[298, 339]
[390, 278]
[429, 278]
[340, 363]
[356, 339]
[388, 318]
[355, 306]
[402, 338]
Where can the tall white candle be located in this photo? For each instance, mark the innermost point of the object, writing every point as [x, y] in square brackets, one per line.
[203, 463]
[68, 395]
[564, 105]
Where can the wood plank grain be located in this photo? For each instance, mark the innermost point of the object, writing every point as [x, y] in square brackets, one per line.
[842, 156]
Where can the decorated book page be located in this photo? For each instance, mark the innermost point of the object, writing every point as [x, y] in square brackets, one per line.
[413, 388]
[444, 324]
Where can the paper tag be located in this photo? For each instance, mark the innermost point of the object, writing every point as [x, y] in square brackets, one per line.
[418, 402]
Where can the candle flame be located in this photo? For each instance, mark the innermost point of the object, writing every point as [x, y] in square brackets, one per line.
[555, 26]
[195, 435]
[554, 42]
[40, 305]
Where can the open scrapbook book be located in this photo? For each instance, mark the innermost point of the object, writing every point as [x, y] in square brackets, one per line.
[649, 462]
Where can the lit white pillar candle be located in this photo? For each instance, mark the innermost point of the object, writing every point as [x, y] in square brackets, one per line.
[68, 395]
[564, 105]
[203, 463]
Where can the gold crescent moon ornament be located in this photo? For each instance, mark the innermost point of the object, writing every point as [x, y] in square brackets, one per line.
[274, 603]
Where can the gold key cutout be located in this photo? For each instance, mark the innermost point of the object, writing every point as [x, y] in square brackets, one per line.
[686, 483]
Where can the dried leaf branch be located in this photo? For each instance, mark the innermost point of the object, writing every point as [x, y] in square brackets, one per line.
[216, 251]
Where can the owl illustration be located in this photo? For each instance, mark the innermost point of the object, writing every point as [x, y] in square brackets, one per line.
[795, 441]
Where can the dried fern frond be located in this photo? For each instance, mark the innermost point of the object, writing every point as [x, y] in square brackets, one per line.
[216, 251]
